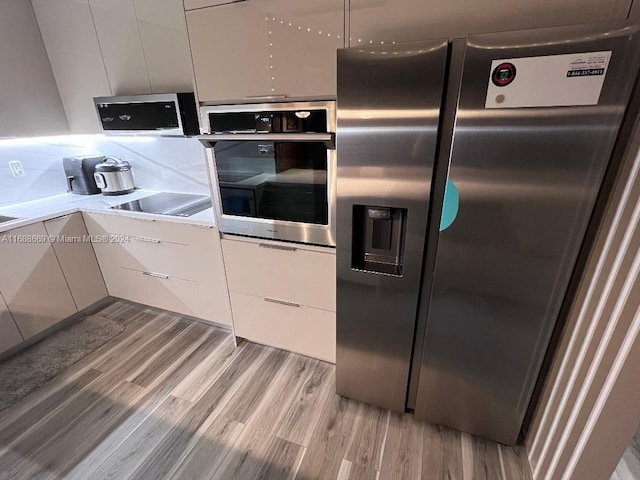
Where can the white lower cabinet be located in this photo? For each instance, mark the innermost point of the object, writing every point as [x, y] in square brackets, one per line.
[283, 295]
[77, 259]
[285, 325]
[169, 265]
[9, 334]
[162, 291]
[304, 275]
[31, 280]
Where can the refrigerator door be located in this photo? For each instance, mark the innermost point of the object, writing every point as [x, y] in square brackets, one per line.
[537, 119]
[388, 112]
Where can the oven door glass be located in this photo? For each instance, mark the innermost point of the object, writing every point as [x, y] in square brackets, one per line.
[273, 180]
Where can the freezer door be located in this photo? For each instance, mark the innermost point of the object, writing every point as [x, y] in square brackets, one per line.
[388, 111]
[537, 119]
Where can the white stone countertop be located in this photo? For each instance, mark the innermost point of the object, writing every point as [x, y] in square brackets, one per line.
[43, 209]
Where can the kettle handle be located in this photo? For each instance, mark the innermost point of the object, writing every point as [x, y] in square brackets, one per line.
[100, 180]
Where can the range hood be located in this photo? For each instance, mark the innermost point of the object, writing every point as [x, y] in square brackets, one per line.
[167, 115]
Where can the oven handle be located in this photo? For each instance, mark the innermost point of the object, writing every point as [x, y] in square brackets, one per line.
[264, 97]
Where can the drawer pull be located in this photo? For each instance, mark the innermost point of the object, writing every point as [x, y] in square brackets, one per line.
[281, 302]
[146, 219]
[197, 225]
[145, 239]
[156, 275]
[277, 247]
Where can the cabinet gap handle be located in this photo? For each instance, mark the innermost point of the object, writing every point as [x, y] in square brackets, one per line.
[277, 247]
[281, 302]
[146, 239]
[156, 275]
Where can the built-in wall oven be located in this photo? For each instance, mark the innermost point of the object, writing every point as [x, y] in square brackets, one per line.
[273, 169]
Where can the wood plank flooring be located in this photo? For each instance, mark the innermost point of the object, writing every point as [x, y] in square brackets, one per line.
[629, 466]
[171, 398]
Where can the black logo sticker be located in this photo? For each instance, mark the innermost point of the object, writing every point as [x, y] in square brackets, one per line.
[503, 74]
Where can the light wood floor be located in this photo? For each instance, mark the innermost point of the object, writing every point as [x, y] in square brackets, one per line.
[170, 398]
[629, 466]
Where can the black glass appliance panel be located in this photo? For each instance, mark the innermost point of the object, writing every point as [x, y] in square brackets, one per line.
[273, 180]
[177, 204]
[280, 121]
[138, 116]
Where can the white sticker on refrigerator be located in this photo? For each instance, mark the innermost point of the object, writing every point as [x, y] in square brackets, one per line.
[549, 81]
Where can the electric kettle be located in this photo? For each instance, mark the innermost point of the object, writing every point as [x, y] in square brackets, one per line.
[114, 177]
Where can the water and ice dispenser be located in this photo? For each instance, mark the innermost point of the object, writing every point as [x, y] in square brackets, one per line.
[378, 239]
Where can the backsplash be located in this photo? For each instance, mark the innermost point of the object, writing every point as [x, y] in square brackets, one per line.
[169, 164]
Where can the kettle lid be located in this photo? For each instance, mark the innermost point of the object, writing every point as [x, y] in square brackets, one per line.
[112, 164]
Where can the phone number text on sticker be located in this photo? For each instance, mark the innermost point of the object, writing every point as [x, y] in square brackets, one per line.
[585, 72]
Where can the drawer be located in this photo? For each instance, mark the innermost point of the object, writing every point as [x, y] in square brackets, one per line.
[299, 329]
[173, 232]
[150, 255]
[278, 271]
[169, 293]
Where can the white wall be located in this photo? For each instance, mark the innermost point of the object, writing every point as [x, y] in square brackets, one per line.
[168, 164]
[29, 99]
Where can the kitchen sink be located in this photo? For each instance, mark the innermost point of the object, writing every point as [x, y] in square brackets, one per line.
[4, 219]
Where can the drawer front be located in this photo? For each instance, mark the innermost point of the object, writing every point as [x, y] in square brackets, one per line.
[172, 232]
[150, 255]
[160, 290]
[286, 273]
[299, 329]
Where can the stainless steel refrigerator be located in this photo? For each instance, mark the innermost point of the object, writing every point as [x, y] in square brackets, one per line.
[468, 171]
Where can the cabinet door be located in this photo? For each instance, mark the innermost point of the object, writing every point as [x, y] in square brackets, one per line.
[121, 47]
[163, 32]
[72, 46]
[77, 259]
[265, 48]
[9, 333]
[377, 22]
[29, 99]
[31, 280]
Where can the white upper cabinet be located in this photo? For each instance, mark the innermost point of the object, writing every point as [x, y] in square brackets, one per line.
[74, 52]
[163, 31]
[378, 21]
[113, 47]
[265, 48]
[29, 99]
[121, 47]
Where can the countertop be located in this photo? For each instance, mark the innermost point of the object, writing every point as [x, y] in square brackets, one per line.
[66, 203]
